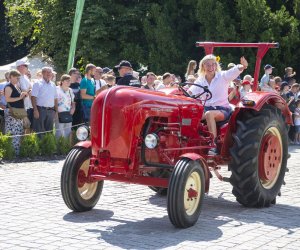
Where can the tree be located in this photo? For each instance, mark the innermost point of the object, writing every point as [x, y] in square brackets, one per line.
[260, 23]
[159, 34]
[8, 51]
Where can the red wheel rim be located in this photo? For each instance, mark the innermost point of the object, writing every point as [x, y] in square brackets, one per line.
[86, 189]
[270, 158]
[81, 178]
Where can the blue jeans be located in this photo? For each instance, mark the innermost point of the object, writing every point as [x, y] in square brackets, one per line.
[86, 111]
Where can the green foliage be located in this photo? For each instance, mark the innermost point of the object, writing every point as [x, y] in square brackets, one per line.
[158, 34]
[48, 144]
[63, 145]
[7, 150]
[8, 51]
[30, 146]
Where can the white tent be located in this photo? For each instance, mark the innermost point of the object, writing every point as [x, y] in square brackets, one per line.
[36, 63]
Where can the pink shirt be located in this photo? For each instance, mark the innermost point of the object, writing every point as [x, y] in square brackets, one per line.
[218, 87]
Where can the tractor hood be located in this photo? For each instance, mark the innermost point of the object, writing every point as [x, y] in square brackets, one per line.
[118, 115]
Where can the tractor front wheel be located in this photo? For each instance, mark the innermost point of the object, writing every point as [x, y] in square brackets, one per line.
[78, 193]
[259, 157]
[185, 193]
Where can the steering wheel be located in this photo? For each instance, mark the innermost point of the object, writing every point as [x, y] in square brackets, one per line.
[204, 88]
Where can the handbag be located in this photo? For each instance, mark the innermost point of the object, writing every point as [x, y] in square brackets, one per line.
[17, 113]
[65, 117]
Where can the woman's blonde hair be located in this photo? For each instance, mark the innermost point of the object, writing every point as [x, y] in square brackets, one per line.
[201, 71]
[64, 77]
[191, 67]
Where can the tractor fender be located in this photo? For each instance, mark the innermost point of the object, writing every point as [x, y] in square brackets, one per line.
[84, 144]
[202, 161]
[261, 98]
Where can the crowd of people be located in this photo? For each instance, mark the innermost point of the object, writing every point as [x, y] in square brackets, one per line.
[65, 104]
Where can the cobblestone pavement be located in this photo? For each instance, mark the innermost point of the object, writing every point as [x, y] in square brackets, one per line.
[34, 216]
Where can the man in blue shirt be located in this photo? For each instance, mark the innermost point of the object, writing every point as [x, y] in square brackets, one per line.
[44, 102]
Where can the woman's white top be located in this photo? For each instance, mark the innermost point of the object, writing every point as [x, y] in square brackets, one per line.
[218, 87]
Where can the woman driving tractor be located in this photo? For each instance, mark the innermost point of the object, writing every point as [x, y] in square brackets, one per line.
[217, 81]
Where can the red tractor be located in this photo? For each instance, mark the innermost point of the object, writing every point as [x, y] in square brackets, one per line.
[158, 139]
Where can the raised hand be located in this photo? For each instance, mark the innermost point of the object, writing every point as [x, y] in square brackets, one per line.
[244, 62]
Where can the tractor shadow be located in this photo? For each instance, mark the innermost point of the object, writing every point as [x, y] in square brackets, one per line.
[95, 215]
[157, 233]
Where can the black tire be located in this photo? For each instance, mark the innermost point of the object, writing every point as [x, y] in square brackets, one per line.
[259, 157]
[79, 197]
[184, 211]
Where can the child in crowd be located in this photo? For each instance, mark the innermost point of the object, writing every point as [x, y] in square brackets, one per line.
[270, 87]
[266, 77]
[289, 74]
[246, 88]
[110, 80]
[297, 123]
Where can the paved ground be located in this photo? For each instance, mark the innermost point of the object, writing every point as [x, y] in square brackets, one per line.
[34, 216]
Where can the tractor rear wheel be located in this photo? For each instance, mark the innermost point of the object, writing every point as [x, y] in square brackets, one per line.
[259, 157]
[79, 194]
[185, 193]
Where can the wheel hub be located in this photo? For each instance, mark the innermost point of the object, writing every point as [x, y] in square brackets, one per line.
[81, 178]
[86, 188]
[192, 193]
[270, 157]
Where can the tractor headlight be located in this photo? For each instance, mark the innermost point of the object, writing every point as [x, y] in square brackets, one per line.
[151, 141]
[82, 133]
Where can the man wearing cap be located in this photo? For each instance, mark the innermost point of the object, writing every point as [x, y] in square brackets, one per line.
[44, 102]
[266, 77]
[25, 86]
[126, 77]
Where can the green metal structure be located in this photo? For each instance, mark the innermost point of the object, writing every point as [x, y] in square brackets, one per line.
[75, 32]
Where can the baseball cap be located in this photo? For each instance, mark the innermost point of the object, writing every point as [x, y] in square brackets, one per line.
[106, 70]
[283, 84]
[123, 63]
[246, 82]
[268, 66]
[21, 62]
